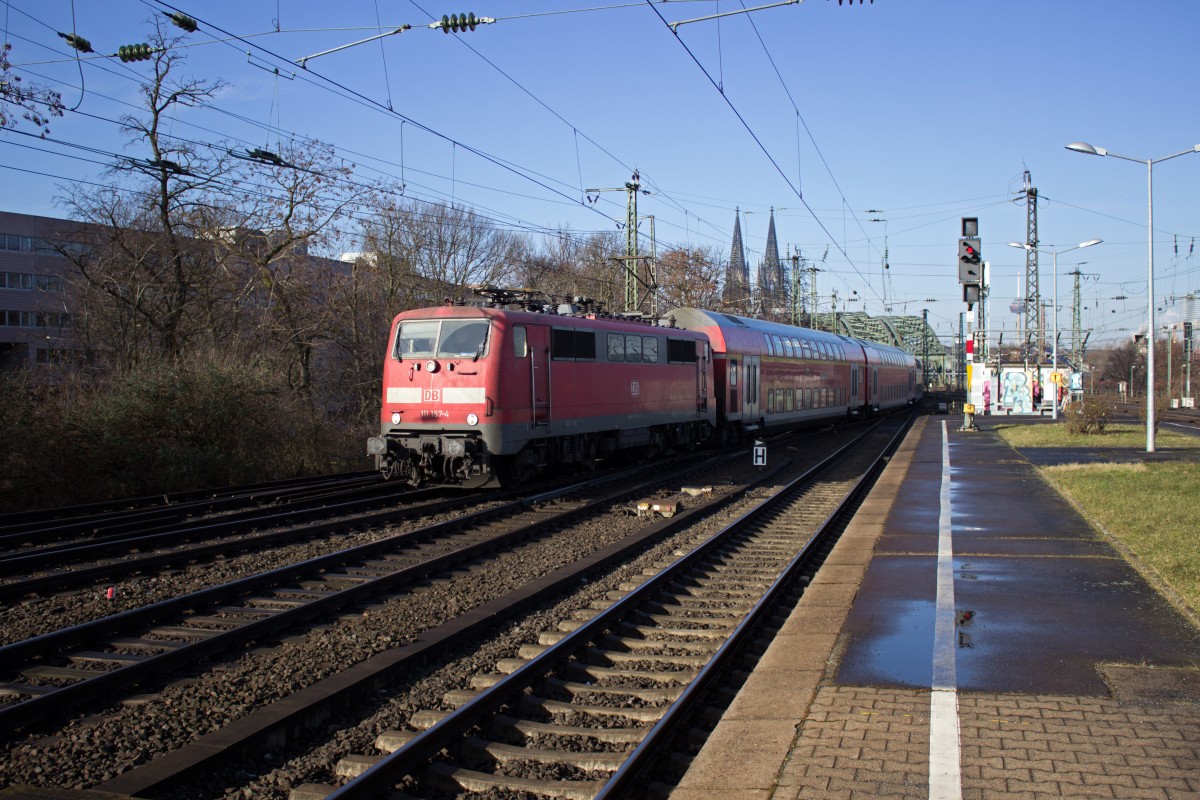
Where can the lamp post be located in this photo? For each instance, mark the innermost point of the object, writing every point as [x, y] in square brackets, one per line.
[1084, 147]
[1055, 254]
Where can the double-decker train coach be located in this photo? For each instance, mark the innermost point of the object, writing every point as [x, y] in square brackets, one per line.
[769, 375]
[496, 393]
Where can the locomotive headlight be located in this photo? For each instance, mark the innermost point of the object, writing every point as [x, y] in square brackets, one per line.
[431, 366]
[395, 417]
[472, 419]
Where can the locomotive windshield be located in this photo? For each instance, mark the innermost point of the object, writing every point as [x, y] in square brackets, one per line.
[449, 338]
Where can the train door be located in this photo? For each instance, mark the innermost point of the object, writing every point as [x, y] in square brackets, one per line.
[539, 344]
[530, 388]
[873, 389]
[702, 361]
[750, 387]
[733, 409]
[855, 400]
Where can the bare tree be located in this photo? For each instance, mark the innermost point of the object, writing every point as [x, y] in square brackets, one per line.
[289, 205]
[37, 104]
[1118, 363]
[690, 276]
[412, 254]
[142, 262]
[600, 271]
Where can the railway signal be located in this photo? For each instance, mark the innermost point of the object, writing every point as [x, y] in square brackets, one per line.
[969, 260]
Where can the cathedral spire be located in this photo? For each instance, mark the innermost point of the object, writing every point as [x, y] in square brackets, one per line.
[736, 292]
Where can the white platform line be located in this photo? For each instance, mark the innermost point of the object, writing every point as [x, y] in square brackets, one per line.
[945, 770]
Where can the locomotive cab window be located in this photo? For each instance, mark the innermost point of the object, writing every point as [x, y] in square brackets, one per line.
[416, 338]
[463, 338]
[451, 338]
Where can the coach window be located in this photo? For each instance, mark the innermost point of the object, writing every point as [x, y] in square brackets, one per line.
[788, 399]
[770, 347]
[733, 372]
[649, 350]
[787, 349]
[616, 347]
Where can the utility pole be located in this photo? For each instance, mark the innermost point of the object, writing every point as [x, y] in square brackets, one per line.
[1034, 325]
[812, 295]
[1077, 323]
[925, 344]
[796, 299]
[633, 279]
[962, 351]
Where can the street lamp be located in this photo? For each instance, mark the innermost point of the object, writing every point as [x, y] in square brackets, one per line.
[1055, 254]
[1084, 147]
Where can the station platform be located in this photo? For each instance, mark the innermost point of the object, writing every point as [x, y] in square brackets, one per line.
[970, 636]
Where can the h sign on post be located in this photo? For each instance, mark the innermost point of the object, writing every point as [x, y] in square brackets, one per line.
[760, 453]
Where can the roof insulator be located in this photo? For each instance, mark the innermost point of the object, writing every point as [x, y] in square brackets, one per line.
[182, 20]
[78, 42]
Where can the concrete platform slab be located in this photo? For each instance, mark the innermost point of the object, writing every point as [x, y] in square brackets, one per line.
[1073, 677]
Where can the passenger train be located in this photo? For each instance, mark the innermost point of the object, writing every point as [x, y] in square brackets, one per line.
[495, 393]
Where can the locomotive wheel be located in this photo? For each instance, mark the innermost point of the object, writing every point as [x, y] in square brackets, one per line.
[516, 470]
[588, 462]
[410, 474]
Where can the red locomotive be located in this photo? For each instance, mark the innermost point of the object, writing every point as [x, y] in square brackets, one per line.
[495, 393]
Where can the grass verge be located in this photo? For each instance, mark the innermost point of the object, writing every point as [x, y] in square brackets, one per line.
[1152, 509]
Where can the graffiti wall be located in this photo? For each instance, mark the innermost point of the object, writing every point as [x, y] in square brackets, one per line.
[1016, 388]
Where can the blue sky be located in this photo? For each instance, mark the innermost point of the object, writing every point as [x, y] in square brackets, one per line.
[865, 126]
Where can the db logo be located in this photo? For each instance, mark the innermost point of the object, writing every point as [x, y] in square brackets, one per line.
[431, 395]
[635, 388]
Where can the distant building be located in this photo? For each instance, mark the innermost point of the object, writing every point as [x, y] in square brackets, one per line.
[34, 321]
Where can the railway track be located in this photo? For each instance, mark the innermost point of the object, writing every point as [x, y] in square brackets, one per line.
[582, 713]
[85, 517]
[298, 699]
[132, 548]
[125, 649]
[1185, 417]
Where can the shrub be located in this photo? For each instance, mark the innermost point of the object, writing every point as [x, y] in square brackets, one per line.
[161, 428]
[1090, 416]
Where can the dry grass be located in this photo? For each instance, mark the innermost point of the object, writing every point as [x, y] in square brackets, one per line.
[1051, 435]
